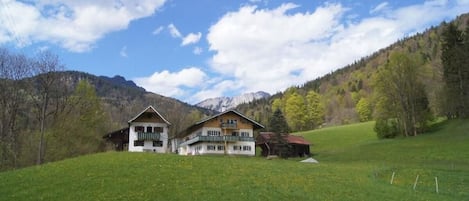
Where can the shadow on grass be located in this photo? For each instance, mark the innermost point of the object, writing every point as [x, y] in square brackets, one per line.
[437, 125]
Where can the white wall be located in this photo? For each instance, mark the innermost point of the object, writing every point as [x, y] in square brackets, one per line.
[191, 149]
[148, 145]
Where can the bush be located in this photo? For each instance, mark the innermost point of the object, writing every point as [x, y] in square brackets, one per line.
[386, 128]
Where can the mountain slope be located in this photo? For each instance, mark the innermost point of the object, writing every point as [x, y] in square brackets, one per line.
[224, 103]
[342, 89]
[123, 99]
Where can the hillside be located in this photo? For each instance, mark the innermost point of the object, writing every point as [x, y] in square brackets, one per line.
[354, 165]
[342, 89]
[123, 99]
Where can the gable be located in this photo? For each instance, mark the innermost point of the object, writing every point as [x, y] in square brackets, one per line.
[149, 115]
[232, 117]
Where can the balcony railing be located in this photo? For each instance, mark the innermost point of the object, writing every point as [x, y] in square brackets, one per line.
[226, 138]
[229, 125]
[148, 136]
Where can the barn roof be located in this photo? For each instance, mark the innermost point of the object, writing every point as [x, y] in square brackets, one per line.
[291, 139]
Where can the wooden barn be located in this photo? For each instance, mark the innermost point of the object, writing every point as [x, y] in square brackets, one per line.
[298, 146]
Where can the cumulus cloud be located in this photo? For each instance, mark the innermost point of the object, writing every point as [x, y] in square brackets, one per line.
[173, 83]
[191, 38]
[73, 25]
[272, 49]
[174, 31]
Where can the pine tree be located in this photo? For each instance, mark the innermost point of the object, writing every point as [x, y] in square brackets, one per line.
[455, 71]
[279, 126]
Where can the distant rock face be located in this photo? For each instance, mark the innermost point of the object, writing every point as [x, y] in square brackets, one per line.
[224, 103]
[121, 81]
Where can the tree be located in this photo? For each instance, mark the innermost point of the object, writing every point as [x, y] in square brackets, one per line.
[277, 123]
[401, 95]
[13, 68]
[79, 127]
[315, 109]
[295, 111]
[279, 126]
[46, 93]
[454, 57]
[363, 109]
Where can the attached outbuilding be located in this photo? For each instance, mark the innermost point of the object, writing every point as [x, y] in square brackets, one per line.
[298, 146]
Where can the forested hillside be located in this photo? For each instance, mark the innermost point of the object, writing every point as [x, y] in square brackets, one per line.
[348, 94]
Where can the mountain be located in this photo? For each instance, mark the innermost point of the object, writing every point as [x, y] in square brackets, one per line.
[123, 99]
[224, 103]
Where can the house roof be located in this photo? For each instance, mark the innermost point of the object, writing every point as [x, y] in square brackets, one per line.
[257, 125]
[150, 109]
[185, 132]
[291, 139]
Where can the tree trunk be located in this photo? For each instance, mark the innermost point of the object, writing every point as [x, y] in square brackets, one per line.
[40, 154]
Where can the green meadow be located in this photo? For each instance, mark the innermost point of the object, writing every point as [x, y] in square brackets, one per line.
[353, 165]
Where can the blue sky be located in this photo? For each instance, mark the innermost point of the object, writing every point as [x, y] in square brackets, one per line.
[193, 50]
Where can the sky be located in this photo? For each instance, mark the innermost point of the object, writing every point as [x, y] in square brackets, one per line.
[194, 50]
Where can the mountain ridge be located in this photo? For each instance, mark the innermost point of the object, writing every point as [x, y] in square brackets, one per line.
[224, 103]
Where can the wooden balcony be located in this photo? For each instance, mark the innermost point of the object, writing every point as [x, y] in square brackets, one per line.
[148, 136]
[226, 138]
[229, 125]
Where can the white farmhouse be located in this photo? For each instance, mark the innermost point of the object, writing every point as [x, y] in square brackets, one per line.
[229, 133]
[147, 132]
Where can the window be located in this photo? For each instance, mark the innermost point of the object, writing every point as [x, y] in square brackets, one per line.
[246, 148]
[213, 133]
[244, 134]
[139, 129]
[221, 147]
[158, 129]
[138, 143]
[149, 129]
[237, 147]
[158, 143]
[198, 148]
[211, 147]
[234, 133]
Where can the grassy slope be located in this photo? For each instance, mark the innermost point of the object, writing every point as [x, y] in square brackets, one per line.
[353, 166]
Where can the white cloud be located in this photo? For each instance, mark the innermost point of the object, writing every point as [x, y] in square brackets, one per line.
[197, 50]
[158, 30]
[379, 7]
[172, 83]
[272, 49]
[74, 25]
[123, 52]
[191, 38]
[174, 31]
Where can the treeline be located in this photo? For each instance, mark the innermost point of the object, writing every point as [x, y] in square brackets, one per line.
[42, 118]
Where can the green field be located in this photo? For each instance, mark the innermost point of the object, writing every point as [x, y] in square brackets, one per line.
[354, 165]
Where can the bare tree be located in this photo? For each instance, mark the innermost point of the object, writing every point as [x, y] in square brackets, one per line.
[47, 93]
[13, 68]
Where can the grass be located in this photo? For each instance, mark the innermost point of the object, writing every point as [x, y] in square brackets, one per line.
[354, 165]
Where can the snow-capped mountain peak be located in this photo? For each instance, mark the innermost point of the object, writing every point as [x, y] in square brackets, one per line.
[224, 103]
